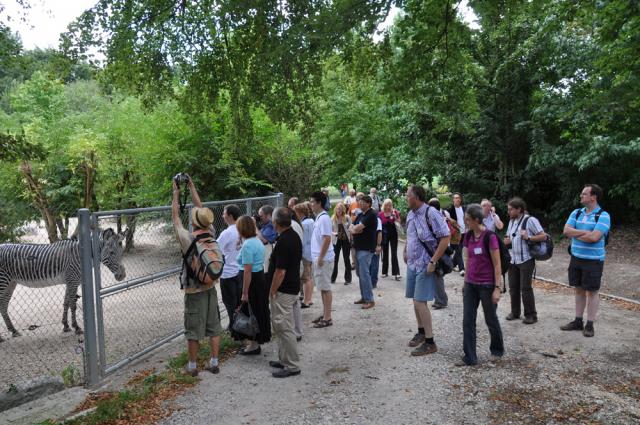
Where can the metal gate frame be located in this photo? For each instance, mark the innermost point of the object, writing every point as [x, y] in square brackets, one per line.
[95, 350]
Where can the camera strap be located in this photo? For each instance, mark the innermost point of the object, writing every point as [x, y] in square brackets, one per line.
[183, 202]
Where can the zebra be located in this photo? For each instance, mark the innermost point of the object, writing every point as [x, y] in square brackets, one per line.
[40, 266]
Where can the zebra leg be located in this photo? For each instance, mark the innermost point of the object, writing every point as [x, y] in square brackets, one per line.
[74, 306]
[65, 307]
[6, 292]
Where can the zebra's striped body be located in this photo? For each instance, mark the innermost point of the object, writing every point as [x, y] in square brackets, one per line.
[40, 266]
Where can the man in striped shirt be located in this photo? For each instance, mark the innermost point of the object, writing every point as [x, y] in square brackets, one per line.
[588, 228]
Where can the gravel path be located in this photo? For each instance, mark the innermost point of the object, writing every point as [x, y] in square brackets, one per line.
[359, 371]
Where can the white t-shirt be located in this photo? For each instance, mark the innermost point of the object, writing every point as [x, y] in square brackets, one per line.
[322, 227]
[460, 218]
[228, 242]
[379, 228]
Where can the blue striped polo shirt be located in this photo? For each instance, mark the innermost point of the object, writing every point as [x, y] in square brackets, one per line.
[585, 250]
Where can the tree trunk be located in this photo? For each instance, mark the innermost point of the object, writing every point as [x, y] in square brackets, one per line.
[41, 201]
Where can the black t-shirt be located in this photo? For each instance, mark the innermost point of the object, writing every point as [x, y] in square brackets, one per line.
[287, 254]
[366, 241]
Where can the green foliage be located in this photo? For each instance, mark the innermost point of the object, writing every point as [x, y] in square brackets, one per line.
[70, 376]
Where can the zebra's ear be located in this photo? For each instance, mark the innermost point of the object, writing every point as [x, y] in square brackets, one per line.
[108, 233]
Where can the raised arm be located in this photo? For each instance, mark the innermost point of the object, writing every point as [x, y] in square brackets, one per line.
[195, 198]
[175, 209]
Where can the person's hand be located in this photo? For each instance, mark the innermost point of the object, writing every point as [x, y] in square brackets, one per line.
[273, 293]
[245, 297]
[507, 240]
[404, 256]
[524, 234]
[493, 210]
[495, 297]
[431, 267]
[320, 262]
[378, 249]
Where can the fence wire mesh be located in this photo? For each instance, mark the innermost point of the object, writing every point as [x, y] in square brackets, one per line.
[147, 307]
[133, 314]
[35, 308]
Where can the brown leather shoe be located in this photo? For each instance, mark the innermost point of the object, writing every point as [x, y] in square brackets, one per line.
[368, 305]
[360, 301]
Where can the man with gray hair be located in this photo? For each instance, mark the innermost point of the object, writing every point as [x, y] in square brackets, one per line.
[284, 273]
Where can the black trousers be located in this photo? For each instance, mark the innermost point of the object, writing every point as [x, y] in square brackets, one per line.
[231, 289]
[390, 242]
[521, 287]
[472, 297]
[457, 256]
[344, 246]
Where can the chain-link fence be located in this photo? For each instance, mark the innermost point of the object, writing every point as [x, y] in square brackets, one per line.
[146, 309]
[126, 318]
[39, 347]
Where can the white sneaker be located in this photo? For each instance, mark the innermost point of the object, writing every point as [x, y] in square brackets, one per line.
[461, 272]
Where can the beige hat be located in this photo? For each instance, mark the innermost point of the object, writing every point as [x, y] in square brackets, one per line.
[201, 217]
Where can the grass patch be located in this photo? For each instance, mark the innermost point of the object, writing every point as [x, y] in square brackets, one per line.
[144, 396]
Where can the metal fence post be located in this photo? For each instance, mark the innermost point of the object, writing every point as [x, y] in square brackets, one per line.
[248, 206]
[88, 305]
[280, 199]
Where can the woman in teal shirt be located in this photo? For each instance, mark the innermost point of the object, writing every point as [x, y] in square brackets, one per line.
[255, 290]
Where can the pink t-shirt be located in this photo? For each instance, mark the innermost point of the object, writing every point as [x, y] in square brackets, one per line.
[479, 268]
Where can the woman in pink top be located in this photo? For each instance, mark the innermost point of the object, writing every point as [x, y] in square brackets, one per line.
[481, 251]
[389, 217]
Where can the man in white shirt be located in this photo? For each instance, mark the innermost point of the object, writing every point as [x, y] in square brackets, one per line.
[322, 255]
[230, 282]
[375, 200]
[491, 220]
[456, 211]
[350, 199]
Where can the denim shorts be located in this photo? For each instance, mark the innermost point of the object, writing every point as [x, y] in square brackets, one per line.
[420, 286]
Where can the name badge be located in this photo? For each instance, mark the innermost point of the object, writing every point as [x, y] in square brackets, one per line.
[477, 251]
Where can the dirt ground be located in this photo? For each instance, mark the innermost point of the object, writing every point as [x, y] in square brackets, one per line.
[359, 371]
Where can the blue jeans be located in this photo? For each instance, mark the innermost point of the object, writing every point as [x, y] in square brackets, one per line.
[472, 296]
[364, 273]
[375, 266]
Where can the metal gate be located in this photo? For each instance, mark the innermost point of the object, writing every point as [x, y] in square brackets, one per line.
[126, 320]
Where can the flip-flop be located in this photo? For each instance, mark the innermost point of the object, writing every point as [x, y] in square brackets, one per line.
[323, 323]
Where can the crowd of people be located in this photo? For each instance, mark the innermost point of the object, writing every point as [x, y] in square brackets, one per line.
[274, 262]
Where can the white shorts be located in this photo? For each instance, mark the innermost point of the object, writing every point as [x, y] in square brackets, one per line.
[322, 275]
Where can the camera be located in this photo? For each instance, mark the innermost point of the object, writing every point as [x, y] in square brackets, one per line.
[181, 178]
[258, 221]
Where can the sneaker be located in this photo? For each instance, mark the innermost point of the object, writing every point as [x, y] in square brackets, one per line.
[512, 316]
[461, 272]
[284, 373]
[437, 306]
[529, 320]
[190, 372]
[573, 326]
[424, 349]
[214, 369]
[588, 331]
[360, 301]
[416, 340]
[461, 362]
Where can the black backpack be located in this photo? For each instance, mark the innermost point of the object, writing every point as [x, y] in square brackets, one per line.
[539, 251]
[597, 217]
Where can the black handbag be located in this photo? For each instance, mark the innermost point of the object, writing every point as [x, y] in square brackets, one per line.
[245, 324]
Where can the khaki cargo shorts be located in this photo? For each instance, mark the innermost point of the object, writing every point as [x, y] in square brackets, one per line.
[202, 315]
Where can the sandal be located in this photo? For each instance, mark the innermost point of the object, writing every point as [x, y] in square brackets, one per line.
[303, 305]
[323, 323]
[318, 320]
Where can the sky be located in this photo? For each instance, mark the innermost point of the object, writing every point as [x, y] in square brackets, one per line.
[48, 18]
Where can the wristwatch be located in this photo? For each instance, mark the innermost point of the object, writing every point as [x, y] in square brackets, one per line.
[432, 262]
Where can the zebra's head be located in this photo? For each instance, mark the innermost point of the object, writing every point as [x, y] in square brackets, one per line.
[111, 253]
